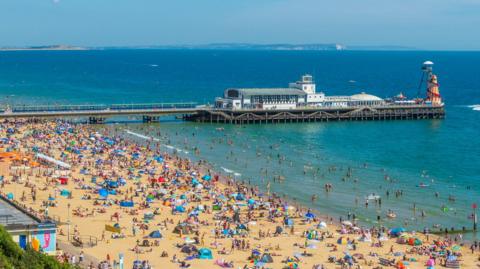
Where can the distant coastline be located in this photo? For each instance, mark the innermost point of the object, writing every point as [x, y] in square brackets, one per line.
[53, 47]
[221, 46]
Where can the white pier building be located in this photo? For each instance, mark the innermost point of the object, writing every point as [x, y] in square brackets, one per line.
[299, 94]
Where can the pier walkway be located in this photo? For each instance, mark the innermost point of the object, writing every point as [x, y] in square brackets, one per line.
[201, 113]
[99, 113]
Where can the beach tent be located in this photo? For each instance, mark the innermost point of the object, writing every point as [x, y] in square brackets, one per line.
[397, 231]
[207, 177]
[10, 196]
[205, 254]
[413, 241]
[126, 204]
[103, 193]
[155, 234]
[65, 193]
[309, 215]
[266, 258]
[63, 180]
[180, 209]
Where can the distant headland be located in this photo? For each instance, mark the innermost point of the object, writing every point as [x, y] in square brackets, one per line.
[50, 47]
[219, 46]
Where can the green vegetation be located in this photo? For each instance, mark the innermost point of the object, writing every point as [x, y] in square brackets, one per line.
[13, 257]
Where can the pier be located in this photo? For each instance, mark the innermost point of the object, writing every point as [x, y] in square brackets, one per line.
[310, 114]
[97, 114]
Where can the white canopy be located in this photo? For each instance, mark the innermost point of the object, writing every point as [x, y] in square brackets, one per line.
[52, 160]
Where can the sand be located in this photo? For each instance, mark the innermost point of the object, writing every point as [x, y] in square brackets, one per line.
[288, 244]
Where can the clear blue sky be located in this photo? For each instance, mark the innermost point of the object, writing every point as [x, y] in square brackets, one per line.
[426, 24]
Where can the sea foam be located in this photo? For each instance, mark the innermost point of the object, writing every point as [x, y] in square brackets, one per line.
[141, 136]
[475, 107]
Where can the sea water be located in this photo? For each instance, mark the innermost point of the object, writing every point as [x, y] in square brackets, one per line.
[358, 158]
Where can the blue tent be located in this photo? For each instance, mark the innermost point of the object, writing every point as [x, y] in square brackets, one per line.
[64, 193]
[207, 177]
[126, 203]
[397, 231]
[10, 196]
[103, 193]
[205, 253]
[155, 234]
[180, 209]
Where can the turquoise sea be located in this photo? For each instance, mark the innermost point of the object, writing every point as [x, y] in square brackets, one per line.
[357, 158]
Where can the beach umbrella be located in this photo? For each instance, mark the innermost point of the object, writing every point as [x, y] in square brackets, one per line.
[207, 177]
[322, 225]
[10, 196]
[310, 215]
[103, 193]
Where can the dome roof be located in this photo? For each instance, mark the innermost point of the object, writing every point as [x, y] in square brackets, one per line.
[365, 97]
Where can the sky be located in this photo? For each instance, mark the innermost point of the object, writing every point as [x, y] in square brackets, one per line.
[422, 24]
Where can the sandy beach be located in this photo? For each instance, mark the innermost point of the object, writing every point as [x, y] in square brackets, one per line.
[124, 197]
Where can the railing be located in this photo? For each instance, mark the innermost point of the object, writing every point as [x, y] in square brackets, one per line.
[83, 240]
[99, 107]
[384, 106]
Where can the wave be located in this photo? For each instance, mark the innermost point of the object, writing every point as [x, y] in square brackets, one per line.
[228, 171]
[475, 107]
[174, 148]
[142, 136]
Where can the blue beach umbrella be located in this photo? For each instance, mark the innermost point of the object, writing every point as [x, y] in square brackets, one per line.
[310, 215]
[103, 193]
